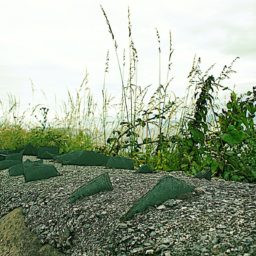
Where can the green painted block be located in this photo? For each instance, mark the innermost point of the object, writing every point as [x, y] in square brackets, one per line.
[5, 164]
[4, 152]
[18, 169]
[205, 174]
[15, 156]
[99, 184]
[167, 187]
[47, 152]
[83, 158]
[30, 150]
[118, 162]
[145, 168]
[39, 172]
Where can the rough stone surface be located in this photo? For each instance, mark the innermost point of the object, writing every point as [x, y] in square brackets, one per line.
[219, 219]
[17, 240]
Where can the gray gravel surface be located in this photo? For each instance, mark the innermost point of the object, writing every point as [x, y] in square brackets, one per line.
[218, 219]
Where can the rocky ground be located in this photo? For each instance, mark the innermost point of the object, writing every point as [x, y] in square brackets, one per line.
[218, 219]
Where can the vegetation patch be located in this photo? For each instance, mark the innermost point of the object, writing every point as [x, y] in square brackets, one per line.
[170, 133]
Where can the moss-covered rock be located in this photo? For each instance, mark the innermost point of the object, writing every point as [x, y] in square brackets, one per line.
[17, 240]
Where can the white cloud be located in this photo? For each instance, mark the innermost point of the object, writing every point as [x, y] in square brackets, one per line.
[52, 42]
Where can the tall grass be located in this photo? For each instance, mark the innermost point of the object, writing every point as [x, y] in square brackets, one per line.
[160, 129]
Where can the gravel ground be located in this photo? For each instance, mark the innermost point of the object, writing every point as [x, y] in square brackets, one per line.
[219, 219]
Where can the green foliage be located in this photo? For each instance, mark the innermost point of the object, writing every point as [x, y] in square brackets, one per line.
[235, 141]
[189, 134]
[65, 139]
[12, 136]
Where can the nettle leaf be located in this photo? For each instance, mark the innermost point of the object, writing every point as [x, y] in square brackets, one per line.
[253, 174]
[197, 135]
[234, 136]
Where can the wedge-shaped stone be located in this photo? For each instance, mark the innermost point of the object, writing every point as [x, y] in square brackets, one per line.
[83, 158]
[15, 156]
[205, 174]
[18, 169]
[30, 150]
[39, 172]
[99, 184]
[168, 187]
[119, 162]
[5, 164]
[11, 159]
[145, 168]
[47, 152]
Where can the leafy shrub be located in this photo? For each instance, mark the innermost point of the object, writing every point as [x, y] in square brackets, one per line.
[12, 137]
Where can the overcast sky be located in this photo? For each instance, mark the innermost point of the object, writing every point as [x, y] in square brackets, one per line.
[53, 42]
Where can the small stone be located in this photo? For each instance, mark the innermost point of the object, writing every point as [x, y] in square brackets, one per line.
[137, 250]
[149, 252]
[161, 207]
[220, 226]
[166, 241]
[122, 225]
[170, 203]
[204, 250]
[152, 234]
[161, 247]
[199, 190]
